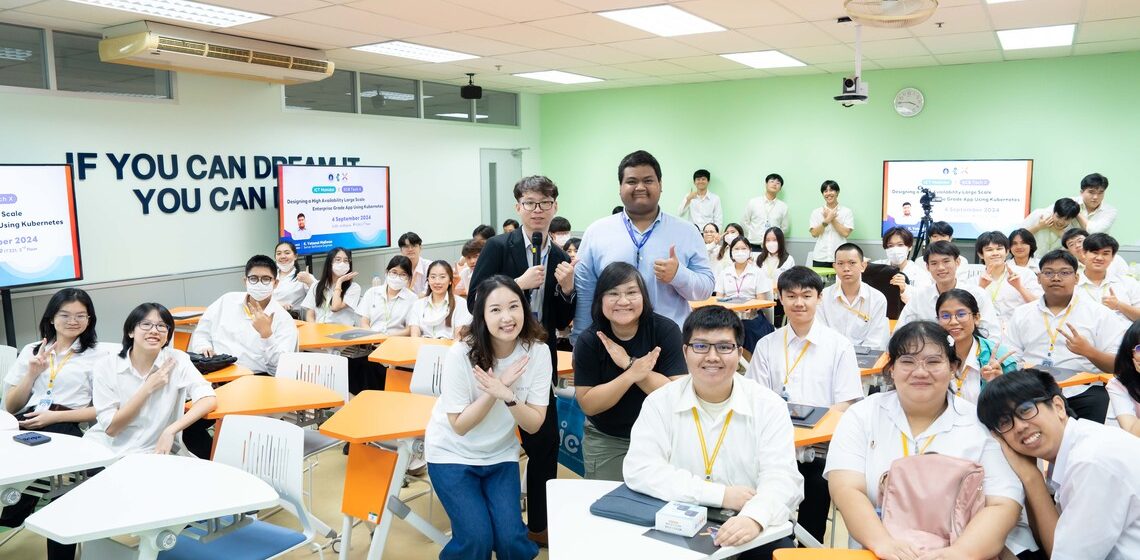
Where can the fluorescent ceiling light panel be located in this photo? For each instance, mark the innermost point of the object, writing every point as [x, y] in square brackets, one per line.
[181, 10]
[389, 95]
[764, 59]
[463, 116]
[666, 21]
[1036, 37]
[558, 77]
[414, 51]
[8, 53]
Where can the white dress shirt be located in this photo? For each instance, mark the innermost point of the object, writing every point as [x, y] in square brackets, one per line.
[863, 321]
[761, 214]
[71, 386]
[774, 270]
[386, 313]
[1101, 220]
[430, 318]
[702, 210]
[227, 327]
[116, 381]
[418, 282]
[324, 312]
[1098, 480]
[665, 458]
[289, 290]
[1047, 237]
[921, 307]
[1005, 298]
[829, 240]
[869, 438]
[1120, 401]
[751, 284]
[824, 374]
[1125, 288]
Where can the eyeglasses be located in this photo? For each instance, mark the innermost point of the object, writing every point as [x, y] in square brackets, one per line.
[342, 260]
[69, 318]
[1136, 349]
[254, 279]
[908, 364]
[616, 297]
[1026, 411]
[148, 325]
[530, 205]
[721, 347]
[1062, 274]
[960, 315]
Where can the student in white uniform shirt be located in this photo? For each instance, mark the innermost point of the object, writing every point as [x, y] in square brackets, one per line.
[711, 235]
[292, 281]
[1022, 248]
[1007, 285]
[981, 359]
[722, 259]
[385, 308]
[1049, 224]
[942, 262]
[470, 253]
[1095, 216]
[897, 242]
[701, 206]
[1069, 330]
[440, 313]
[743, 280]
[1074, 242]
[1124, 390]
[1089, 504]
[766, 211]
[774, 259]
[807, 362]
[921, 415]
[941, 231]
[830, 224]
[412, 246]
[1117, 292]
[850, 306]
[334, 296]
[751, 470]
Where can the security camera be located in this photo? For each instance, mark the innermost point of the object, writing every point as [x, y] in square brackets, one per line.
[854, 92]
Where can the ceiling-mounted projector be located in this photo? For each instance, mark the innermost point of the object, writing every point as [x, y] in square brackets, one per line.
[471, 91]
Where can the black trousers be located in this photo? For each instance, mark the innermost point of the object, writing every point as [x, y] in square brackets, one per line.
[542, 465]
[364, 375]
[1091, 404]
[822, 264]
[817, 499]
[14, 515]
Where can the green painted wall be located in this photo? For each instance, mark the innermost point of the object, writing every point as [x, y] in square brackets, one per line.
[1072, 115]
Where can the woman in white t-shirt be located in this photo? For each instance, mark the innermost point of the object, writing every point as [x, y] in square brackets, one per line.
[292, 281]
[440, 313]
[334, 296]
[1124, 390]
[921, 415]
[496, 378]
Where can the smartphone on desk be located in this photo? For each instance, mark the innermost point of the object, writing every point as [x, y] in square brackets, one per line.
[31, 438]
[800, 411]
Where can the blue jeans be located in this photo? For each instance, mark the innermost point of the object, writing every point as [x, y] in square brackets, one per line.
[483, 504]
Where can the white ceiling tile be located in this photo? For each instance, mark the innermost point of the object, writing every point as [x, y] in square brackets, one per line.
[907, 62]
[960, 42]
[305, 33]
[90, 14]
[707, 63]
[367, 59]
[659, 48]
[432, 13]
[742, 74]
[272, 7]
[605, 72]
[824, 53]
[949, 3]
[528, 36]
[654, 68]
[1035, 13]
[970, 57]
[48, 22]
[600, 54]
[520, 10]
[1107, 47]
[698, 77]
[545, 59]
[846, 68]
[1109, 30]
[740, 13]
[722, 42]
[845, 32]
[344, 17]
[592, 28]
[895, 48]
[793, 35]
[959, 19]
[467, 43]
[1110, 9]
[1046, 52]
[8, 4]
[639, 82]
[796, 71]
[815, 10]
[309, 43]
[499, 66]
[602, 5]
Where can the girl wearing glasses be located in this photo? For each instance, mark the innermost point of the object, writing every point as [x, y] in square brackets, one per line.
[626, 353]
[334, 297]
[1124, 390]
[981, 359]
[921, 415]
[440, 313]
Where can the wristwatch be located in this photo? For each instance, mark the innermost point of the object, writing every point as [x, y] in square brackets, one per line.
[511, 402]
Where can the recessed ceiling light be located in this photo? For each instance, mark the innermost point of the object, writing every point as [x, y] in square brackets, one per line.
[764, 59]
[181, 10]
[1036, 37]
[666, 21]
[558, 77]
[414, 51]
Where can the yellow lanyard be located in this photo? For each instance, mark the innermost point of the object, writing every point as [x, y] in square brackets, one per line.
[906, 444]
[54, 370]
[789, 369]
[864, 316]
[704, 449]
[995, 287]
[1054, 332]
[961, 377]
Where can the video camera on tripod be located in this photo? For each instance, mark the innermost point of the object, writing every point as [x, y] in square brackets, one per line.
[928, 199]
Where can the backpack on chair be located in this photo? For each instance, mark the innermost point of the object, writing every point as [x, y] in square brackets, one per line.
[916, 493]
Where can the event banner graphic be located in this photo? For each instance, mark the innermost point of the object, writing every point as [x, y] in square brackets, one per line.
[323, 207]
[39, 236]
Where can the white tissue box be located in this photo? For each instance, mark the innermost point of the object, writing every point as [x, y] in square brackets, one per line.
[682, 519]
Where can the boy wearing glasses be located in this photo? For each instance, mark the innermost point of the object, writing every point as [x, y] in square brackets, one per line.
[807, 362]
[717, 439]
[248, 325]
[1093, 476]
[1068, 330]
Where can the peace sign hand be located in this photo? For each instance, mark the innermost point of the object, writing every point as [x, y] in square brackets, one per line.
[992, 369]
[262, 322]
[39, 360]
[1076, 343]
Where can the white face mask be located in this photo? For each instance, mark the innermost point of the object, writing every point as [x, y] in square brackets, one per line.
[896, 255]
[341, 268]
[258, 291]
[287, 267]
[397, 282]
[772, 246]
[729, 238]
[741, 255]
[560, 239]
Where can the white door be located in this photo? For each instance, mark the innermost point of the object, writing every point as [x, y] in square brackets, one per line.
[500, 169]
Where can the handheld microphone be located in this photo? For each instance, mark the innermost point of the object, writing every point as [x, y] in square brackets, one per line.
[536, 248]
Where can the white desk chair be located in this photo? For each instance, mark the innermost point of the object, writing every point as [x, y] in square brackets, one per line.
[8, 356]
[271, 450]
[327, 370]
[427, 376]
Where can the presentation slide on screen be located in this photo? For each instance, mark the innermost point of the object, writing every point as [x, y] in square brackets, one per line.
[333, 206]
[39, 237]
[974, 196]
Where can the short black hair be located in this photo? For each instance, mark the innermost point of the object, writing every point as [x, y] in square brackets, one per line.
[1026, 237]
[1002, 394]
[799, 277]
[483, 231]
[1066, 208]
[301, 215]
[136, 316]
[1125, 369]
[401, 262]
[637, 159]
[510, 222]
[617, 209]
[942, 228]
[712, 318]
[259, 260]
[1094, 181]
[990, 238]
[941, 248]
[612, 276]
[1098, 241]
[702, 173]
[829, 185]
[775, 176]
[906, 204]
[905, 234]
[559, 225]
[1070, 234]
[540, 184]
[850, 247]
[1058, 255]
[912, 338]
[409, 239]
[471, 248]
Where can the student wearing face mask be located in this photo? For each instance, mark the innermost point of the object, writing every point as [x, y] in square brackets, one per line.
[334, 297]
[385, 308]
[743, 280]
[723, 258]
[560, 230]
[774, 259]
[897, 243]
[292, 280]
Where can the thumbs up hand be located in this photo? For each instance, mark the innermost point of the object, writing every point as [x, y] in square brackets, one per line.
[666, 269]
[1111, 301]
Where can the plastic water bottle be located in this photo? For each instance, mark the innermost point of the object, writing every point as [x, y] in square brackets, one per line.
[376, 281]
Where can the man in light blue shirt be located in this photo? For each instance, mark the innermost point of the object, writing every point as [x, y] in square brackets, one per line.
[668, 251]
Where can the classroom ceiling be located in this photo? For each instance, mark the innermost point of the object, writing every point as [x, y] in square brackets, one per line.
[513, 36]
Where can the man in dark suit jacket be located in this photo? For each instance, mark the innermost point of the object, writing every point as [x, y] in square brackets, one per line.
[551, 285]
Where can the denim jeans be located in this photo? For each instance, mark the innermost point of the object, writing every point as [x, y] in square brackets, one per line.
[483, 505]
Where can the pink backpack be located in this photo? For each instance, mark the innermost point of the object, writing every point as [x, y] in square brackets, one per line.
[928, 499]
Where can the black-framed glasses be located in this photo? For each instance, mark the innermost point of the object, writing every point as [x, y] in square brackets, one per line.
[1027, 410]
[148, 325]
[721, 347]
[255, 279]
[543, 205]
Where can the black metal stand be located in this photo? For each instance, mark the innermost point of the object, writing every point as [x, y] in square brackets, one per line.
[923, 238]
[9, 321]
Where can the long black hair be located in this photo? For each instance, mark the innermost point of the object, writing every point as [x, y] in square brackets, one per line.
[296, 261]
[614, 275]
[450, 289]
[478, 336]
[326, 274]
[1125, 369]
[965, 298]
[136, 316]
[781, 253]
[723, 243]
[63, 297]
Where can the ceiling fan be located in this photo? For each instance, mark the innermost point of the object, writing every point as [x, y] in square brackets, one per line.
[890, 13]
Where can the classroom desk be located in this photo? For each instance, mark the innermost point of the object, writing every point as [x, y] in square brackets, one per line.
[740, 306]
[135, 496]
[822, 554]
[565, 364]
[867, 367]
[7, 421]
[822, 431]
[22, 464]
[823, 271]
[227, 374]
[189, 321]
[402, 350]
[575, 533]
[370, 418]
[260, 395]
[315, 336]
[1085, 378]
